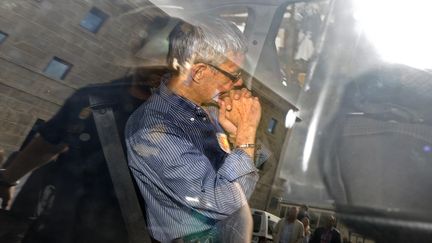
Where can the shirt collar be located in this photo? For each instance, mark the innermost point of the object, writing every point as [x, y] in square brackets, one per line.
[177, 100]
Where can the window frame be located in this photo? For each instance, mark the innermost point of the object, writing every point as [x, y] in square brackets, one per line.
[5, 36]
[99, 14]
[59, 60]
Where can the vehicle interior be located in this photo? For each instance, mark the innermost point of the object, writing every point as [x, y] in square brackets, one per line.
[345, 88]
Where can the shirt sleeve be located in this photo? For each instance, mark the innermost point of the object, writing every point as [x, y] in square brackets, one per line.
[186, 174]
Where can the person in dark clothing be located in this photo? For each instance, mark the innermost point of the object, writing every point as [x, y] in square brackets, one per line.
[326, 234]
[303, 212]
[76, 201]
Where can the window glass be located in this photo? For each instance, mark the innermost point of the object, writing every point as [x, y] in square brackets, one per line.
[271, 226]
[94, 20]
[272, 125]
[256, 222]
[297, 39]
[346, 128]
[57, 68]
[237, 15]
[3, 37]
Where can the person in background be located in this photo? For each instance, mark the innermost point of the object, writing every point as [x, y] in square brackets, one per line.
[289, 229]
[307, 231]
[303, 212]
[328, 233]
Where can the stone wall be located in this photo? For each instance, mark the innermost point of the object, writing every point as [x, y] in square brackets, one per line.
[37, 31]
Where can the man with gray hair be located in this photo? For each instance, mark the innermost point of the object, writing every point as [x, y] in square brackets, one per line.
[191, 179]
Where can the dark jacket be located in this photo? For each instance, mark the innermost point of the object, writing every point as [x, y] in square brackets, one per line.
[316, 236]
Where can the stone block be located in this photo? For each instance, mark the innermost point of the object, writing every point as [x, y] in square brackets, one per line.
[17, 105]
[5, 90]
[7, 25]
[8, 114]
[7, 127]
[24, 10]
[30, 49]
[51, 41]
[17, 81]
[75, 50]
[92, 47]
[8, 149]
[10, 139]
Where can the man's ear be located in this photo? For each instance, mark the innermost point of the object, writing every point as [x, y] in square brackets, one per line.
[198, 70]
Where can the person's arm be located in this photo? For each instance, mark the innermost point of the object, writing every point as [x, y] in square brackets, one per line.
[48, 144]
[188, 174]
[276, 230]
[301, 233]
[35, 154]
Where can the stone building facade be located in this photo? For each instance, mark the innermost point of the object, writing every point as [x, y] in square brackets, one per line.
[39, 30]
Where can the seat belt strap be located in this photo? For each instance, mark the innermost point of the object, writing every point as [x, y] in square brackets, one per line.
[132, 213]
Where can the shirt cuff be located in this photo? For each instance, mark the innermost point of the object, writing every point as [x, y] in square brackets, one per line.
[237, 164]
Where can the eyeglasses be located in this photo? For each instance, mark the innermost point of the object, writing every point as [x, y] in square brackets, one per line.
[233, 77]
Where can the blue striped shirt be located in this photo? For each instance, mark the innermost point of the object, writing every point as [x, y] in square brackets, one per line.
[188, 182]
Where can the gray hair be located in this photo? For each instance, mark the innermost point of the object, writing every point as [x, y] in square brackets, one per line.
[206, 40]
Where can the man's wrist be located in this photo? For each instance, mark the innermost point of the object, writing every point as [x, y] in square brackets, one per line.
[249, 145]
[245, 140]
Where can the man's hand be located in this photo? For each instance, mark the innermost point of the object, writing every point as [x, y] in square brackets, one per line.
[243, 119]
[245, 109]
[235, 95]
[5, 191]
[225, 107]
[6, 195]
[35, 154]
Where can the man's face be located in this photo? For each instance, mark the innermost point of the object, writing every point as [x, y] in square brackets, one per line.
[292, 213]
[331, 222]
[222, 78]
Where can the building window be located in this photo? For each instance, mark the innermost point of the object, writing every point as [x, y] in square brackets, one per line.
[271, 125]
[3, 36]
[94, 20]
[57, 68]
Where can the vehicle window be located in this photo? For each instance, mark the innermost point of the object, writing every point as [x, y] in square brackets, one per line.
[256, 222]
[297, 39]
[341, 123]
[271, 226]
[237, 15]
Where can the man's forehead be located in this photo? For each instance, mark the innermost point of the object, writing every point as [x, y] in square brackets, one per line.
[235, 59]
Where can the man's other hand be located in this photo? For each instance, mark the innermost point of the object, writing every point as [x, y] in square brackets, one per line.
[225, 107]
[6, 196]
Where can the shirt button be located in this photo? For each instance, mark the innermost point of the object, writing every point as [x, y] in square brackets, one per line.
[204, 119]
[192, 119]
